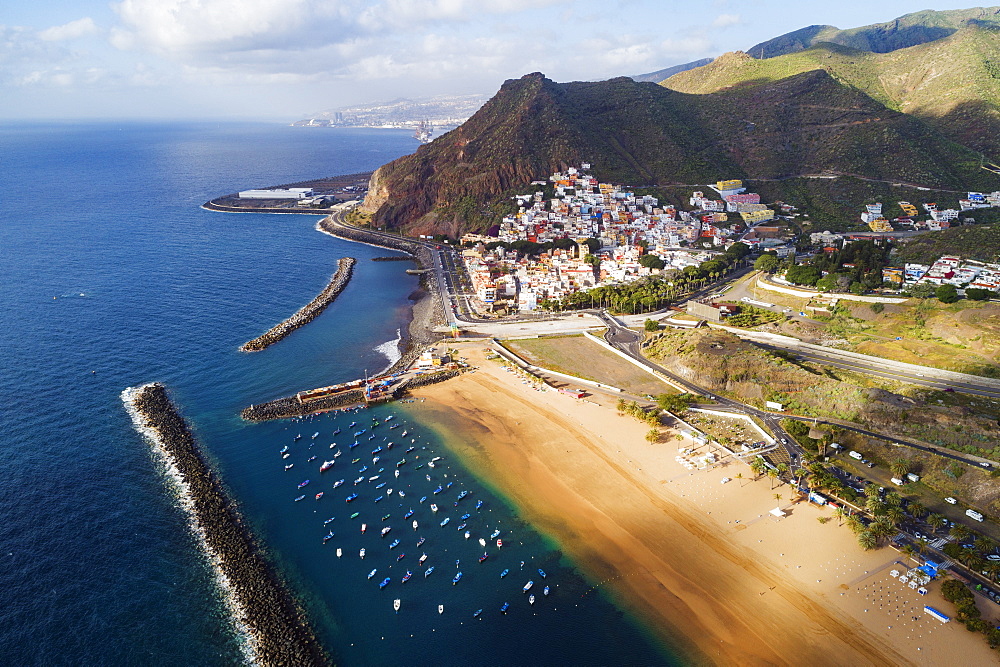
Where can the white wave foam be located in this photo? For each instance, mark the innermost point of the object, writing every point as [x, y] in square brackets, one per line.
[181, 491]
[390, 349]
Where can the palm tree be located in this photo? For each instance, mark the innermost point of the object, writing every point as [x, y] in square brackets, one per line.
[757, 466]
[909, 550]
[882, 527]
[867, 540]
[993, 569]
[801, 475]
[893, 498]
[739, 476]
[777, 497]
[840, 513]
[895, 515]
[871, 490]
[936, 520]
[922, 545]
[899, 467]
[983, 544]
[959, 532]
[917, 510]
[854, 523]
[772, 474]
[875, 506]
[652, 435]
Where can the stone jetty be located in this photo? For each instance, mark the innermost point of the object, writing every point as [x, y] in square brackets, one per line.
[306, 314]
[301, 404]
[279, 632]
[393, 258]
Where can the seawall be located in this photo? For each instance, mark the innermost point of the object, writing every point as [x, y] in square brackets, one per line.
[306, 314]
[278, 631]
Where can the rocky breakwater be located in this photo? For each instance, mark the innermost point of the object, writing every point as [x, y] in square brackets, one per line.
[273, 623]
[294, 406]
[306, 314]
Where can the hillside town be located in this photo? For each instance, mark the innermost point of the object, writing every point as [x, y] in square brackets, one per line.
[636, 236]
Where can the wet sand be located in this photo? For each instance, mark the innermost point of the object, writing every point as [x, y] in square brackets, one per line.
[700, 561]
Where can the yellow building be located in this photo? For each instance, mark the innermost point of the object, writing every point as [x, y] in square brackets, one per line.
[729, 185]
[880, 225]
[753, 217]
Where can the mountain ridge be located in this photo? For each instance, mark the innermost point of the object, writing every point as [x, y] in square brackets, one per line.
[646, 134]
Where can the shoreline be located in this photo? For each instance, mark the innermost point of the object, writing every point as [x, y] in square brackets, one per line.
[701, 562]
[308, 312]
[264, 610]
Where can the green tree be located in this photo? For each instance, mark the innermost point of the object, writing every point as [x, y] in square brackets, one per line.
[857, 288]
[868, 540]
[802, 275]
[651, 325]
[827, 283]
[675, 403]
[652, 435]
[651, 262]
[960, 532]
[946, 293]
[917, 510]
[979, 294]
[877, 307]
[922, 290]
[936, 520]
[767, 262]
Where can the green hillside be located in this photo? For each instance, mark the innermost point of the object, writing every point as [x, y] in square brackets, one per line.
[981, 242]
[952, 83]
[903, 32]
[644, 134]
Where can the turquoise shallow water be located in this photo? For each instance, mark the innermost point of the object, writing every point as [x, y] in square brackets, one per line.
[98, 565]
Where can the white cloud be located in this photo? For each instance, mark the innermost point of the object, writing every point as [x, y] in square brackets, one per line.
[72, 30]
[726, 20]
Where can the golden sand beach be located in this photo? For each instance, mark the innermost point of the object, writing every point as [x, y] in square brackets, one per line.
[699, 560]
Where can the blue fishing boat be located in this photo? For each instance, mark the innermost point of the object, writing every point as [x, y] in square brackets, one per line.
[327, 537]
[421, 541]
[461, 527]
[283, 449]
[479, 503]
[504, 573]
[496, 533]
[372, 573]
[545, 591]
[423, 499]
[385, 582]
[541, 573]
[338, 483]
[352, 497]
[359, 480]
[503, 609]
[299, 498]
[400, 556]
[438, 490]
[446, 520]
[406, 577]
[465, 516]
[329, 520]
[380, 485]
[428, 571]
[305, 483]
[456, 578]
[410, 449]
[528, 586]
[477, 613]
[408, 515]
[395, 543]
[483, 557]
[379, 498]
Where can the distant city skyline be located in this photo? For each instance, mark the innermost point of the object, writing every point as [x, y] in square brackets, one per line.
[281, 59]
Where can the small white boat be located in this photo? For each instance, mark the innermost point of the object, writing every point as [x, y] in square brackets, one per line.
[482, 542]
[340, 552]
[395, 604]
[434, 508]
[362, 553]
[415, 524]
[531, 599]
[440, 608]
[468, 534]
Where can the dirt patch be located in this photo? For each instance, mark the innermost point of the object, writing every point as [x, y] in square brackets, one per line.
[578, 356]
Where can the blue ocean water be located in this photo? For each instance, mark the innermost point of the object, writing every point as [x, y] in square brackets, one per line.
[112, 276]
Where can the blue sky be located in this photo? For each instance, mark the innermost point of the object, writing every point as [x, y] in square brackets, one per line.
[283, 59]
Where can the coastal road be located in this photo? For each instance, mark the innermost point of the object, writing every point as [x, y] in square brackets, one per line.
[628, 341]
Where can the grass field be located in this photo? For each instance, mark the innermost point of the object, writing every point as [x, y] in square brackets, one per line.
[578, 356]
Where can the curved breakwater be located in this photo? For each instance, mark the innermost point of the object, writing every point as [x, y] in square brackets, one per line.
[267, 615]
[307, 313]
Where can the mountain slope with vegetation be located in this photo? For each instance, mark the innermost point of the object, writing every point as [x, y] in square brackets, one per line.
[905, 31]
[952, 83]
[645, 134]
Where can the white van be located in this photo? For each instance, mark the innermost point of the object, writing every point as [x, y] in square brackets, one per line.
[951, 500]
